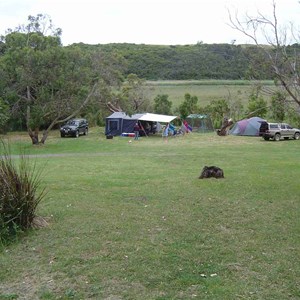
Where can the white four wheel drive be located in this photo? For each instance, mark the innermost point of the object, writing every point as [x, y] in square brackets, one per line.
[278, 131]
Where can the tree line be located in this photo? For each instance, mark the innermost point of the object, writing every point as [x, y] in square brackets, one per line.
[188, 62]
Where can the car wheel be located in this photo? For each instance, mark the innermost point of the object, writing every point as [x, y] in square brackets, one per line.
[277, 137]
[297, 136]
[86, 131]
[62, 135]
[266, 138]
[77, 134]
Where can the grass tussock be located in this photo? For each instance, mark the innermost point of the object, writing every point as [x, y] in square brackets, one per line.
[20, 195]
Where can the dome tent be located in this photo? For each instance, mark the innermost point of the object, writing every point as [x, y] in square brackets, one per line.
[247, 127]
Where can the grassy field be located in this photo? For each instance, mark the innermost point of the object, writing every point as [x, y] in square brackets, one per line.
[205, 90]
[133, 221]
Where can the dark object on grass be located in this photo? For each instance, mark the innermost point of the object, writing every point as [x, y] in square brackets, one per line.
[109, 137]
[211, 171]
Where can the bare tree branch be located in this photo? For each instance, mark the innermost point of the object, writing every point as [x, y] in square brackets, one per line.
[283, 62]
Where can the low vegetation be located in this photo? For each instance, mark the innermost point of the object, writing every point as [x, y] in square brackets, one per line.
[20, 195]
[133, 221]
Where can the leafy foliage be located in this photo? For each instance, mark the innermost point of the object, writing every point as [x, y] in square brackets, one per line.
[162, 105]
[257, 106]
[277, 108]
[200, 61]
[46, 84]
[134, 95]
[189, 106]
[217, 109]
[4, 114]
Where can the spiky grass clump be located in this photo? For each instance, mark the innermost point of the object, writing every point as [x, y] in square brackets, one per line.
[20, 194]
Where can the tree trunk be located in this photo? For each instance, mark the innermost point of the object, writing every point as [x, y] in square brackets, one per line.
[225, 127]
[34, 135]
[44, 137]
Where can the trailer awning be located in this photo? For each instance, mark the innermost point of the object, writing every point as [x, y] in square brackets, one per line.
[156, 118]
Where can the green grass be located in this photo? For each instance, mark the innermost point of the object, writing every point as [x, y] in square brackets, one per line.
[205, 90]
[133, 221]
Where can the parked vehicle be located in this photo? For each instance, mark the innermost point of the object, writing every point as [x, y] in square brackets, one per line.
[75, 127]
[277, 131]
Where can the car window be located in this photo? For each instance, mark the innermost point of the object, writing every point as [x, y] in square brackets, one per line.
[289, 127]
[74, 123]
[282, 126]
[274, 126]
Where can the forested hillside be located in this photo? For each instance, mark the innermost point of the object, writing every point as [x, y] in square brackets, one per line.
[200, 61]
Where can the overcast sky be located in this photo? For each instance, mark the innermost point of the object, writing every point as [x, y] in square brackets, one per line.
[160, 22]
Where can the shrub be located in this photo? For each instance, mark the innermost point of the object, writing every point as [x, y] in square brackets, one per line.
[20, 195]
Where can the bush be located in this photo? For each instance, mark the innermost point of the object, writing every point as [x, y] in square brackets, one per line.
[19, 195]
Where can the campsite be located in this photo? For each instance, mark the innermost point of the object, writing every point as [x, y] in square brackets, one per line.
[126, 208]
[133, 221]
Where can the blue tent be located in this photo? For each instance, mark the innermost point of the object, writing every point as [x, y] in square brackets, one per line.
[118, 122]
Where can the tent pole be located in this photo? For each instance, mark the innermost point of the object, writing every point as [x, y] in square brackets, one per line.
[143, 129]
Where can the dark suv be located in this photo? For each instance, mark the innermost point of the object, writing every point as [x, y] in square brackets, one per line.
[75, 127]
[276, 131]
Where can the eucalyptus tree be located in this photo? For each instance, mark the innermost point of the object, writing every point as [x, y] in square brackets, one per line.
[45, 83]
[135, 94]
[132, 96]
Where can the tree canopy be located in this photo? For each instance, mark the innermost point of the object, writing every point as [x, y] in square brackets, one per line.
[182, 62]
[45, 84]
